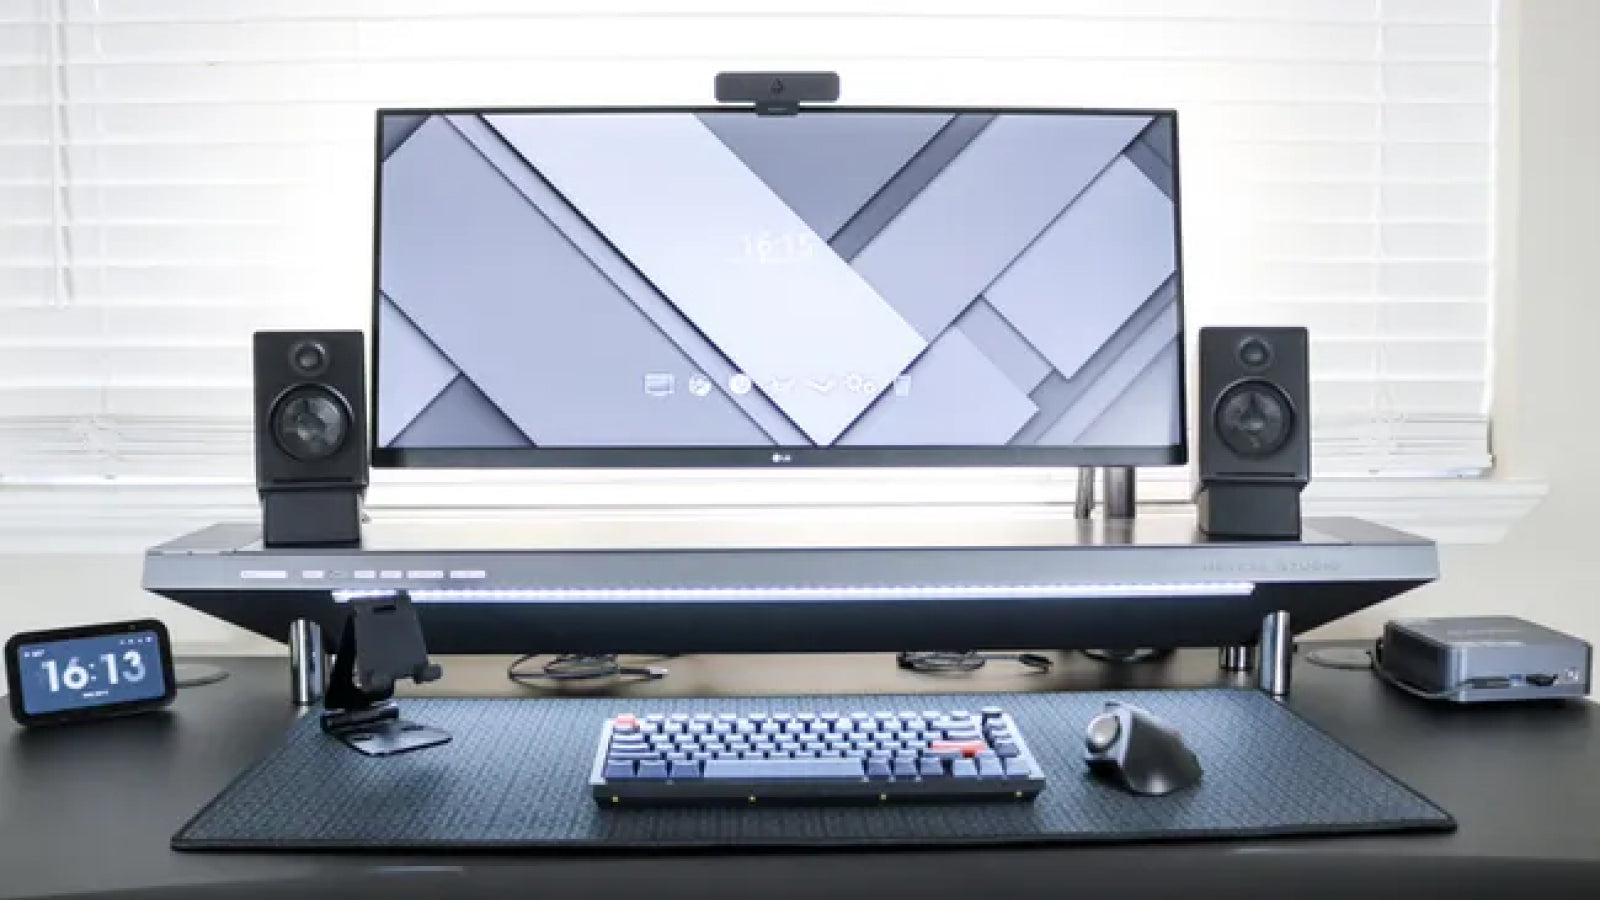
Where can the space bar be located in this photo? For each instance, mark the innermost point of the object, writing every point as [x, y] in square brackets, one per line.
[783, 769]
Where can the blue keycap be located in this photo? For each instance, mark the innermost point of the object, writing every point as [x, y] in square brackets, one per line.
[752, 754]
[906, 737]
[700, 756]
[892, 745]
[964, 768]
[764, 745]
[727, 754]
[817, 726]
[1018, 768]
[684, 770]
[991, 712]
[806, 716]
[678, 756]
[878, 768]
[616, 770]
[783, 769]
[722, 728]
[838, 745]
[678, 717]
[632, 754]
[931, 714]
[960, 714]
[814, 745]
[990, 768]
[963, 734]
[703, 717]
[864, 745]
[727, 717]
[947, 754]
[828, 716]
[883, 715]
[831, 754]
[655, 769]
[771, 728]
[876, 753]
[757, 718]
[781, 754]
[699, 727]
[782, 717]
[982, 755]
[794, 728]
[745, 728]
[930, 768]
[905, 768]
[856, 754]
[655, 717]
[805, 754]
[906, 714]
[860, 717]
[906, 753]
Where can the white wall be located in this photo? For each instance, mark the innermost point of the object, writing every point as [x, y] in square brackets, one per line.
[1545, 424]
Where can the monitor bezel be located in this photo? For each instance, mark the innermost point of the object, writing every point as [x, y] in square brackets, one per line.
[773, 456]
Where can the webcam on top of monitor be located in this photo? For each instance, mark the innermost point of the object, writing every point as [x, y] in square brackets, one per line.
[777, 93]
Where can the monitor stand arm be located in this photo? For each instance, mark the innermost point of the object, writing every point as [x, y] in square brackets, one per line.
[1120, 497]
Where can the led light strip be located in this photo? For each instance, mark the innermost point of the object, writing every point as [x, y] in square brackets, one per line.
[714, 594]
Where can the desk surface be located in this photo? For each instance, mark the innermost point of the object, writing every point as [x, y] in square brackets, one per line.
[89, 810]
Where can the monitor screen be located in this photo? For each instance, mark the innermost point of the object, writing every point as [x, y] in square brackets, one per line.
[709, 286]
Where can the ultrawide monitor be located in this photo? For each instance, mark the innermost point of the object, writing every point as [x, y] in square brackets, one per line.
[849, 286]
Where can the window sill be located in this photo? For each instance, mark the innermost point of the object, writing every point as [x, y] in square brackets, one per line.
[127, 518]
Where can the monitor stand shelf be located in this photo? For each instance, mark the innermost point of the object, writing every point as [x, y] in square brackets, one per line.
[486, 588]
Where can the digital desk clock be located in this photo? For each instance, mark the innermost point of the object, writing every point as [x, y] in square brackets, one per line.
[89, 672]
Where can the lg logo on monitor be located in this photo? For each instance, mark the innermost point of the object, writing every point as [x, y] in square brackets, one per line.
[782, 458]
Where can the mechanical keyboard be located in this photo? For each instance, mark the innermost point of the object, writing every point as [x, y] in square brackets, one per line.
[814, 756]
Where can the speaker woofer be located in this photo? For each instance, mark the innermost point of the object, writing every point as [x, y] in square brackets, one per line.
[1254, 418]
[310, 423]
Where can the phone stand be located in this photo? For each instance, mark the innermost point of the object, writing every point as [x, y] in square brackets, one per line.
[381, 644]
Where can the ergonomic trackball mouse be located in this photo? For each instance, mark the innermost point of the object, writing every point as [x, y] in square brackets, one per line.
[1138, 752]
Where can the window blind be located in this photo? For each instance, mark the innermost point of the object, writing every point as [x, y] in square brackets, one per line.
[175, 174]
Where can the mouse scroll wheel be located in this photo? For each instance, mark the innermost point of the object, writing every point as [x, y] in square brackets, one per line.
[1103, 731]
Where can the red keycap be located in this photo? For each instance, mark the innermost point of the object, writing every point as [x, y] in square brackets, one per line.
[967, 748]
[626, 719]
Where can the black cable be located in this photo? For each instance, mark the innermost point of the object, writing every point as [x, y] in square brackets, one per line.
[1382, 671]
[580, 667]
[936, 661]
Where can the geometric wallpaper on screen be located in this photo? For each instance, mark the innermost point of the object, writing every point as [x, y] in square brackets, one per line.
[881, 279]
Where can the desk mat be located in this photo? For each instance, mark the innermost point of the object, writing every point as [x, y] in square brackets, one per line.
[516, 777]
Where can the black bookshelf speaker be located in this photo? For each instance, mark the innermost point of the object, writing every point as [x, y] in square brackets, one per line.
[1254, 430]
[311, 436]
